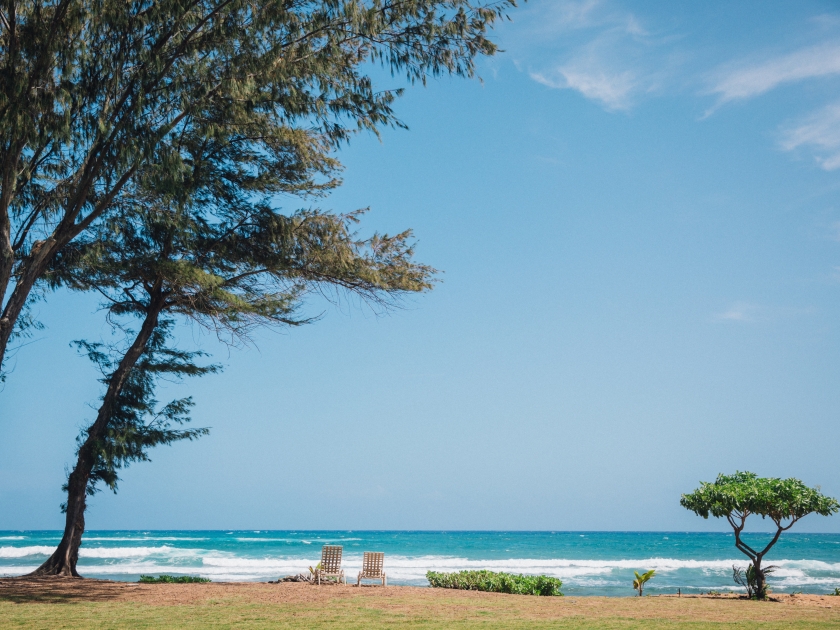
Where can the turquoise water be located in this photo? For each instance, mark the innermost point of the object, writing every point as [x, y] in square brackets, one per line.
[589, 563]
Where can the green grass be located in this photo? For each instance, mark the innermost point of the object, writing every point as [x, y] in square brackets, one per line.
[71, 604]
[348, 614]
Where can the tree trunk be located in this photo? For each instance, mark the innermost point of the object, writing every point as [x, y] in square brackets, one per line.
[7, 261]
[40, 257]
[760, 588]
[64, 559]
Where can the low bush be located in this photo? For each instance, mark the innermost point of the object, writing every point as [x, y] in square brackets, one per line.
[172, 579]
[496, 582]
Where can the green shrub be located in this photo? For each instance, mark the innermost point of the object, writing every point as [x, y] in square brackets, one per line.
[172, 579]
[496, 582]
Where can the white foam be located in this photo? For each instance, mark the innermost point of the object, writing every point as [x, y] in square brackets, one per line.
[288, 540]
[690, 575]
[12, 537]
[142, 538]
[22, 552]
[298, 540]
[14, 570]
[137, 552]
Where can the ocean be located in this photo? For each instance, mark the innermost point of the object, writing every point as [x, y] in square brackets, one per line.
[589, 563]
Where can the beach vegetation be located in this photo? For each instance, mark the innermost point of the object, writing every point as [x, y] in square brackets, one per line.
[736, 497]
[642, 579]
[493, 582]
[150, 173]
[172, 579]
[749, 580]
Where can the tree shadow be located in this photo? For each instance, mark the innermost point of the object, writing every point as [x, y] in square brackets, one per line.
[58, 590]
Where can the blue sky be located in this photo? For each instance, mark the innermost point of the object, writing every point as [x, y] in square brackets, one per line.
[637, 214]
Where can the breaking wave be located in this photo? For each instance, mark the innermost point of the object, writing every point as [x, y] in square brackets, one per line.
[693, 563]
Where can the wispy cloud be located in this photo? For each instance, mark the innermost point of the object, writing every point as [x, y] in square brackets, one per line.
[743, 80]
[749, 312]
[605, 57]
[563, 16]
[593, 79]
[819, 131]
[576, 14]
[738, 312]
[618, 59]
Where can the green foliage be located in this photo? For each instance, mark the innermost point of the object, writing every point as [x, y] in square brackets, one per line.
[102, 98]
[172, 579]
[145, 146]
[496, 582]
[748, 578]
[746, 493]
[736, 497]
[252, 267]
[641, 580]
[136, 423]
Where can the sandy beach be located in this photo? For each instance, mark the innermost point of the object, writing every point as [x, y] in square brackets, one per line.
[70, 603]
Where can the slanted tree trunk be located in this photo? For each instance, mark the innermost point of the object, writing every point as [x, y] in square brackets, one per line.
[63, 561]
[39, 259]
[41, 255]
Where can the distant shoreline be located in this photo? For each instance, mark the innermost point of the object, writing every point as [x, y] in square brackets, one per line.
[592, 563]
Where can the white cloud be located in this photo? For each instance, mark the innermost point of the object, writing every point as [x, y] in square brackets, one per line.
[604, 54]
[748, 312]
[744, 81]
[575, 14]
[820, 131]
[738, 312]
[612, 89]
[557, 16]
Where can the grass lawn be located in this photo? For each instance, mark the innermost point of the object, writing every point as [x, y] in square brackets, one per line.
[94, 604]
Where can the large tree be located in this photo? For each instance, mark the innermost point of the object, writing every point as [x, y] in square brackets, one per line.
[95, 91]
[160, 264]
[735, 497]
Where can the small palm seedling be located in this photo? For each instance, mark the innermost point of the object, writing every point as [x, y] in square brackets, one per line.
[756, 589]
[639, 582]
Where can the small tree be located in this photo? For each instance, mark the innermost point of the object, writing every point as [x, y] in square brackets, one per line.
[639, 582]
[784, 501]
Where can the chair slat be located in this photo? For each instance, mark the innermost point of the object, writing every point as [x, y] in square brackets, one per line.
[373, 563]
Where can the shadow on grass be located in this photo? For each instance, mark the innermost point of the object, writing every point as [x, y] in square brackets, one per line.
[57, 590]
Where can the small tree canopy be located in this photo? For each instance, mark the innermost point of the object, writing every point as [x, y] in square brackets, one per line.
[746, 493]
[784, 501]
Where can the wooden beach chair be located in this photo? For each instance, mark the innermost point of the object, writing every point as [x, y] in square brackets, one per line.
[372, 568]
[330, 564]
